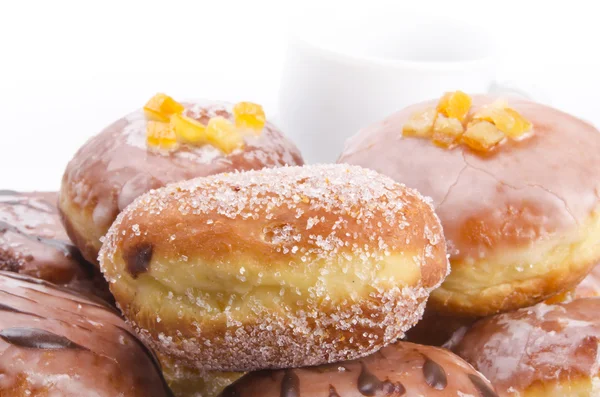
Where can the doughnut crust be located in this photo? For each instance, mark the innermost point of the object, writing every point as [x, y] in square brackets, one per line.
[401, 369]
[522, 222]
[56, 343]
[115, 167]
[275, 268]
[34, 242]
[545, 350]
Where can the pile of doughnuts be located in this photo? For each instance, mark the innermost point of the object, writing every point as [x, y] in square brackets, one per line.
[190, 253]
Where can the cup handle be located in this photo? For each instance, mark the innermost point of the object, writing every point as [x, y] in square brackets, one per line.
[514, 88]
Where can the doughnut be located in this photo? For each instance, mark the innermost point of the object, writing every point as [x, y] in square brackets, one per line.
[34, 242]
[188, 381]
[276, 268]
[544, 350]
[519, 206]
[55, 343]
[400, 369]
[121, 163]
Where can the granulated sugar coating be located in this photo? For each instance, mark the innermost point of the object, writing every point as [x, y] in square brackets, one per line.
[275, 268]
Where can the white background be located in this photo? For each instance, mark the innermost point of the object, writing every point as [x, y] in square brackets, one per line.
[68, 68]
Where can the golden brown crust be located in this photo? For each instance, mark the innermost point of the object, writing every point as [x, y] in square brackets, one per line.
[401, 369]
[115, 167]
[55, 342]
[545, 347]
[275, 268]
[33, 242]
[528, 207]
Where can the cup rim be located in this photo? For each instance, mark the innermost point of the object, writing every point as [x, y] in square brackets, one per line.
[295, 38]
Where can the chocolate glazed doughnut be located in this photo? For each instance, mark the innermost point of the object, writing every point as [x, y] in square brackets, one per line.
[115, 167]
[401, 369]
[34, 242]
[53, 342]
[275, 268]
[522, 220]
[545, 350]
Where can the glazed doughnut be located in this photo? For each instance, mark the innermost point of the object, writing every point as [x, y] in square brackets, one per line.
[401, 369]
[116, 166]
[522, 220]
[275, 268]
[54, 343]
[34, 242]
[545, 350]
[188, 381]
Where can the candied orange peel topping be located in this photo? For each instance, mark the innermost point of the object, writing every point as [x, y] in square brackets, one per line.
[452, 123]
[222, 133]
[248, 115]
[161, 136]
[168, 127]
[455, 105]
[189, 130]
[161, 107]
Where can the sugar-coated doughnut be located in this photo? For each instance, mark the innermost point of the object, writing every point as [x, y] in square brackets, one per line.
[188, 381]
[401, 369]
[33, 242]
[545, 350]
[275, 268]
[522, 221]
[116, 166]
[55, 343]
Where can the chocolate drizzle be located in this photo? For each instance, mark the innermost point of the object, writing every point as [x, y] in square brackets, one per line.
[11, 309]
[333, 392]
[481, 386]
[393, 389]
[137, 258]
[35, 338]
[290, 384]
[368, 384]
[69, 250]
[435, 376]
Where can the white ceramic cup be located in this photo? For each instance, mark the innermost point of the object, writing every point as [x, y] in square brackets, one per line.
[339, 79]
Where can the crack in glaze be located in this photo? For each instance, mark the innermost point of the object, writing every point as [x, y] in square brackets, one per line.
[453, 185]
[525, 186]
